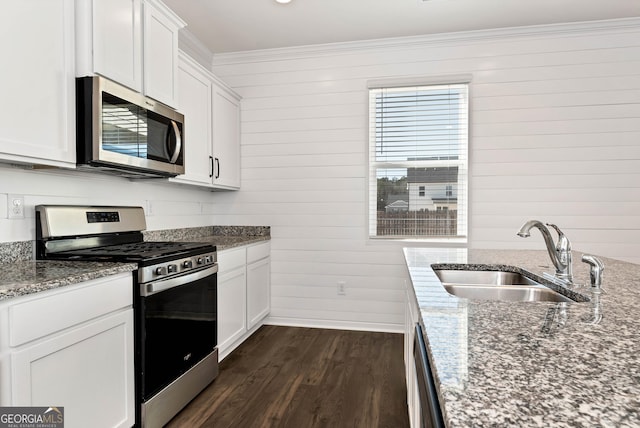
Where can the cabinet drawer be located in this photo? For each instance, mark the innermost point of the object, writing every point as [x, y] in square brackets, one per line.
[76, 304]
[257, 252]
[231, 259]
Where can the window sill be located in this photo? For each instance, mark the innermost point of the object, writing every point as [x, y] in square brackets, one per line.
[432, 242]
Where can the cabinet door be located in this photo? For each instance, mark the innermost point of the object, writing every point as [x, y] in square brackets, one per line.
[232, 313]
[226, 139]
[117, 41]
[87, 370]
[37, 82]
[194, 101]
[160, 53]
[258, 291]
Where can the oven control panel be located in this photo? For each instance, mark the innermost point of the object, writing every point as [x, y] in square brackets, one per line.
[175, 267]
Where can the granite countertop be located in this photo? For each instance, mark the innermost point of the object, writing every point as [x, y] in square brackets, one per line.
[22, 277]
[29, 277]
[223, 242]
[223, 237]
[526, 364]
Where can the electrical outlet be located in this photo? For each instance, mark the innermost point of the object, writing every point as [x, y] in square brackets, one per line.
[342, 285]
[15, 206]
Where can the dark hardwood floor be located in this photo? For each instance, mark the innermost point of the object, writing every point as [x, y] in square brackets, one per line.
[302, 377]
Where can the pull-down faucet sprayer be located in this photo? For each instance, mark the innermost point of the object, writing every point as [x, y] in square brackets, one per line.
[559, 252]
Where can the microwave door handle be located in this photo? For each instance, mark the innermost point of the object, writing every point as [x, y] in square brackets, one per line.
[176, 152]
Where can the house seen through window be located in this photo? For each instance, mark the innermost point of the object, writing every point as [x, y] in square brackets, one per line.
[418, 144]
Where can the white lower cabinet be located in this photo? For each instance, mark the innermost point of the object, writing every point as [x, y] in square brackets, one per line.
[413, 399]
[72, 347]
[258, 291]
[232, 297]
[243, 294]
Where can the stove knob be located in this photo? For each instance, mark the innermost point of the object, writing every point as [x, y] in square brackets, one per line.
[200, 260]
[187, 264]
[161, 270]
[207, 259]
[172, 268]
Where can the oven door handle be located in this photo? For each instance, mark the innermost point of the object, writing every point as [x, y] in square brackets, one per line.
[151, 288]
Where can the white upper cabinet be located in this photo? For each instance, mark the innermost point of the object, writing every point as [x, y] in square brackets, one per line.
[132, 42]
[211, 128]
[226, 138]
[117, 41]
[161, 28]
[194, 101]
[37, 119]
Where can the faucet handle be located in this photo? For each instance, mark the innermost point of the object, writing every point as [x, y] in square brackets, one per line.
[563, 243]
[596, 268]
[557, 229]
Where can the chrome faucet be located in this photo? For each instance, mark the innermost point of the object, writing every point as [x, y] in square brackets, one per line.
[559, 252]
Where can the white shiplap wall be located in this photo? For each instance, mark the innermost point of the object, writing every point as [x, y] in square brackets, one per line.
[166, 205]
[555, 135]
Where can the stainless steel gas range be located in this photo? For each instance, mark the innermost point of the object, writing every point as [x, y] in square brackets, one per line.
[175, 298]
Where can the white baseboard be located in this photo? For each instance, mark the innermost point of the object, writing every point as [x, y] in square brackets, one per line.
[336, 325]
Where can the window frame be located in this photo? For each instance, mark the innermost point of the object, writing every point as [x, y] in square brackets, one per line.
[463, 163]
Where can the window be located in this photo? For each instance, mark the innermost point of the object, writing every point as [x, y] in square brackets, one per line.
[418, 144]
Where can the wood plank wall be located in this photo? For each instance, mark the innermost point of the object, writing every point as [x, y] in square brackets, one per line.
[555, 135]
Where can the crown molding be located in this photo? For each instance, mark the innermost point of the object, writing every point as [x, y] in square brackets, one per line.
[548, 30]
[193, 47]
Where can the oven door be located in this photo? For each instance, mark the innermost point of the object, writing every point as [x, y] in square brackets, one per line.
[178, 320]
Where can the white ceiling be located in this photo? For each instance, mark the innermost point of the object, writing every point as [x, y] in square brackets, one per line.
[240, 25]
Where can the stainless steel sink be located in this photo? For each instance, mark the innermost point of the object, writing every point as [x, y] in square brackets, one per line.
[496, 285]
[509, 293]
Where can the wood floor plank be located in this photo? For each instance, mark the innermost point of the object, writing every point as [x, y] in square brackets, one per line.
[294, 377]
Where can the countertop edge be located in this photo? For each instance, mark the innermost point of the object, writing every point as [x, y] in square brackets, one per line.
[64, 274]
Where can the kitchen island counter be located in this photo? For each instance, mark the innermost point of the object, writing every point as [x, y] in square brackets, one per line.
[531, 363]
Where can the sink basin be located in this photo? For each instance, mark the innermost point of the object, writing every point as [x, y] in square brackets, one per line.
[496, 285]
[508, 293]
[483, 277]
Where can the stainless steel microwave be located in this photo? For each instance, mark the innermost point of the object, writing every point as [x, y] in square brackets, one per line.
[120, 130]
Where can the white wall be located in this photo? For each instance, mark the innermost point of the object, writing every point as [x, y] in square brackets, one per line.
[555, 136]
[166, 205]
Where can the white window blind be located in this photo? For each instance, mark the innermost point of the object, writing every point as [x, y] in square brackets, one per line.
[418, 161]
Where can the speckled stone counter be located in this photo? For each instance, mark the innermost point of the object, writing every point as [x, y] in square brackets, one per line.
[532, 364]
[28, 277]
[16, 251]
[21, 276]
[223, 237]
